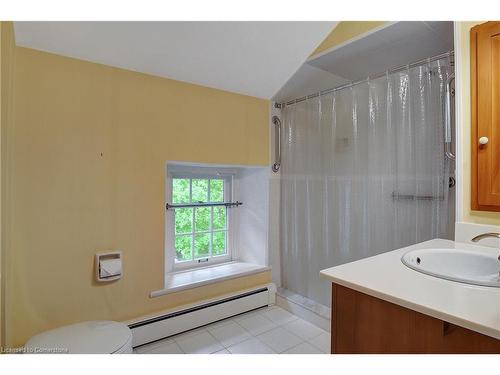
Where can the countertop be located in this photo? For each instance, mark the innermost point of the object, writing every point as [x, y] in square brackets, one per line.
[384, 276]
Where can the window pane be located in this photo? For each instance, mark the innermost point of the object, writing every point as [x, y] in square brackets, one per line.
[180, 190]
[202, 219]
[216, 190]
[219, 243]
[200, 190]
[202, 245]
[183, 220]
[219, 218]
[183, 248]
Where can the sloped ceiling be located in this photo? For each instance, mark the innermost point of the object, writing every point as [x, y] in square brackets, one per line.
[250, 58]
[395, 44]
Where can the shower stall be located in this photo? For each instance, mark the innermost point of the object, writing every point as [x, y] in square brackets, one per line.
[366, 167]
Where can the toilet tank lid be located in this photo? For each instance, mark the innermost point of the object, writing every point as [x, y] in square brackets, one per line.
[98, 336]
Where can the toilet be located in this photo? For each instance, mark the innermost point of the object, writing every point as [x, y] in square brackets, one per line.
[93, 337]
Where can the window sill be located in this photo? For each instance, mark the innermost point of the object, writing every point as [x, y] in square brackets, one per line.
[182, 280]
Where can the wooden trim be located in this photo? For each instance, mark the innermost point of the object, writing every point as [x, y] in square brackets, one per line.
[473, 111]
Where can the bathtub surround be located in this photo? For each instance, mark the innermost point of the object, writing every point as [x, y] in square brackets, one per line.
[89, 144]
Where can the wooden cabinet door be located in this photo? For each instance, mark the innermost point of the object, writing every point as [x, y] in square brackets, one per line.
[485, 92]
[362, 324]
[485, 95]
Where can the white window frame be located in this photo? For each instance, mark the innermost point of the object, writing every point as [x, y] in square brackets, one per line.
[199, 173]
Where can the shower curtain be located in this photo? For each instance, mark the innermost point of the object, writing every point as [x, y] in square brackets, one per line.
[363, 172]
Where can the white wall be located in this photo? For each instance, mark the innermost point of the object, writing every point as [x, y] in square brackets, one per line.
[252, 216]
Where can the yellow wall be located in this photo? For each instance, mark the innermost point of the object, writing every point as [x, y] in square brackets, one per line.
[467, 215]
[90, 144]
[345, 31]
[6, 61]
[2, 111]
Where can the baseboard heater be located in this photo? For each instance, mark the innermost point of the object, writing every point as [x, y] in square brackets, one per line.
[172, 323]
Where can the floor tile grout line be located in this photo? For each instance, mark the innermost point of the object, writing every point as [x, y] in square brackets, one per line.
[253, 335]
[249, 338]
[182, 350]
[206, 329]
[178, 346]
[217, 341]
[316, 346]
[294, 317]
[283, 351]
[250, 333]
[303, 342]
[262, 342]
[310, 338]
[293, 334]
[301, 339]
[202, 330]
[259, 340]
[226, 347]
[277, 325]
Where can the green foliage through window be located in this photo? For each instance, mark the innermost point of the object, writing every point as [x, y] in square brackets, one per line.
[180, 191]
[219, 243]
[202, 218]
[200, 232]
[219, 220]
[183, 247]
[183, 220]
[216, 190]
[201, 245]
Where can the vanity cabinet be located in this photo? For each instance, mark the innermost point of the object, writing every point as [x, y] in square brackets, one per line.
[365, 324]
[485, 116]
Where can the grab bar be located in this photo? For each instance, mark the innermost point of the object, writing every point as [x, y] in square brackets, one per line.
[277, 143]
[447, 119]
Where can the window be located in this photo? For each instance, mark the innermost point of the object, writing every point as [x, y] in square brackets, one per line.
[199, 222]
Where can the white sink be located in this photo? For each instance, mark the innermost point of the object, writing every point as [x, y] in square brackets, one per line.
[475, 267]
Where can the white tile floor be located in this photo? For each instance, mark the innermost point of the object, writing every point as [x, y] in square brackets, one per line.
[269, 330]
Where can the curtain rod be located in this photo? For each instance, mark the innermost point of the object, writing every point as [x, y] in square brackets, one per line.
[354, 83]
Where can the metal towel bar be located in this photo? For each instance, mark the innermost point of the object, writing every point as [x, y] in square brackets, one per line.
[412, 197]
